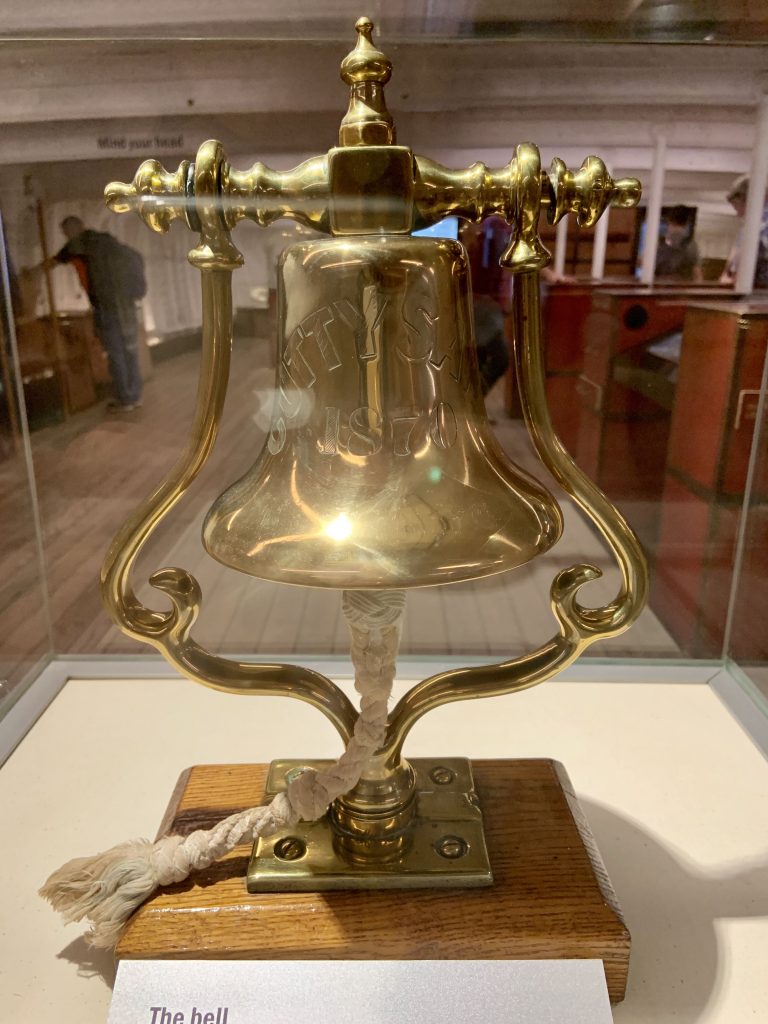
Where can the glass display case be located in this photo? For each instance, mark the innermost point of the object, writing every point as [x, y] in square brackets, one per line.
[24, 608]
[656, 387]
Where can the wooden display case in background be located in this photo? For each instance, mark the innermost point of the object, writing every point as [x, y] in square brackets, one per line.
[711, 437]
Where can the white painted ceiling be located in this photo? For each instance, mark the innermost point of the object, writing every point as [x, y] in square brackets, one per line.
[471, 79]
[647, 20]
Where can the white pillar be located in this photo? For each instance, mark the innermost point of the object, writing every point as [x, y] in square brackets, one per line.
[653, 211]
[561, 242]
[753, 215]
[599, 245]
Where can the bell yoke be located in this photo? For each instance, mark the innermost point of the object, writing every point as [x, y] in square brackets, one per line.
[380, 470]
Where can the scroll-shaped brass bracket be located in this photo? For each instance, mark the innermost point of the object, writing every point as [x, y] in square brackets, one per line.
[579, 625]
[211, 197]
[369, 185]
[586, 193]
[159, 198]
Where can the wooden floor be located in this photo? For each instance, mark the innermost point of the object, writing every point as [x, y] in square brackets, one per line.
[92, 470]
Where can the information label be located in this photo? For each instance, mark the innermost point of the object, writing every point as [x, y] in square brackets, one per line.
[351, 991]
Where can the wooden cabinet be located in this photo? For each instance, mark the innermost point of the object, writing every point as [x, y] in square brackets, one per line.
[618, 418]
[711, 436]
[611, 357]
[588, 329]
[84, 352]
[60, 365]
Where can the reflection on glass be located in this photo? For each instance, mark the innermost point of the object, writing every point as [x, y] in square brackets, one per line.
[618, 373]
[24, 615]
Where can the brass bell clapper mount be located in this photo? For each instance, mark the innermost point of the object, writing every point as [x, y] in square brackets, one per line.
[380, 471]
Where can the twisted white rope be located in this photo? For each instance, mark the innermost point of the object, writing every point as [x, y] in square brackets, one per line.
[108, 887]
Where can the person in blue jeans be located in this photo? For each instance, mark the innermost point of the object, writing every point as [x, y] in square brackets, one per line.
[105, 273]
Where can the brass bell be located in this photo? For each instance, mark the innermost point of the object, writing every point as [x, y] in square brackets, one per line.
[380, 468]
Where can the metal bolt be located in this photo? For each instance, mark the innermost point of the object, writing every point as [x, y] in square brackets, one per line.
[441, 775]
[290, 848]
[451, 847]
[293, 773]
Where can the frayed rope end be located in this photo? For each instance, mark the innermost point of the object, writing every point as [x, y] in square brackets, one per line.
[108, 887]
[105, 888]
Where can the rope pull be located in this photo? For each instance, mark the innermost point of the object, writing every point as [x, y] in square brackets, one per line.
[109, 886]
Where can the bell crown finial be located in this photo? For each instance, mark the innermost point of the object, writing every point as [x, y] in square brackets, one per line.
[366, 71]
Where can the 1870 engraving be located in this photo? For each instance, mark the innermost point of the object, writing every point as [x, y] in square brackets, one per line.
[342, 329]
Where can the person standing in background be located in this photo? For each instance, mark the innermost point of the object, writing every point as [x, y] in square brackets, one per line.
[113, 277]
[737, 197]
[678, 254]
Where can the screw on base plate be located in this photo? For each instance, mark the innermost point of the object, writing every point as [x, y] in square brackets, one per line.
[451, 847]
[441, 775]
[290, 848]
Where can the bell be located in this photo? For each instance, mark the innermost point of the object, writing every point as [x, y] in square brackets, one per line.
[380, 468]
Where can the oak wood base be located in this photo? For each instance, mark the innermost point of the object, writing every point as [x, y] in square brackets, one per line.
[551, 897]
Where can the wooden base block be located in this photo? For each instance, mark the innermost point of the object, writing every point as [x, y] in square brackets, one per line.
[551, 898]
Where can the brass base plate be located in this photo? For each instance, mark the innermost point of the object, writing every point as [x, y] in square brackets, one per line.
[550, 896]
[446, 847]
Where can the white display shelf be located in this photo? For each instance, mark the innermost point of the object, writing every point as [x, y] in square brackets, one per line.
[675, 791]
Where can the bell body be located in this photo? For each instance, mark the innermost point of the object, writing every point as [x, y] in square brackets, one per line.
[380, 468]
